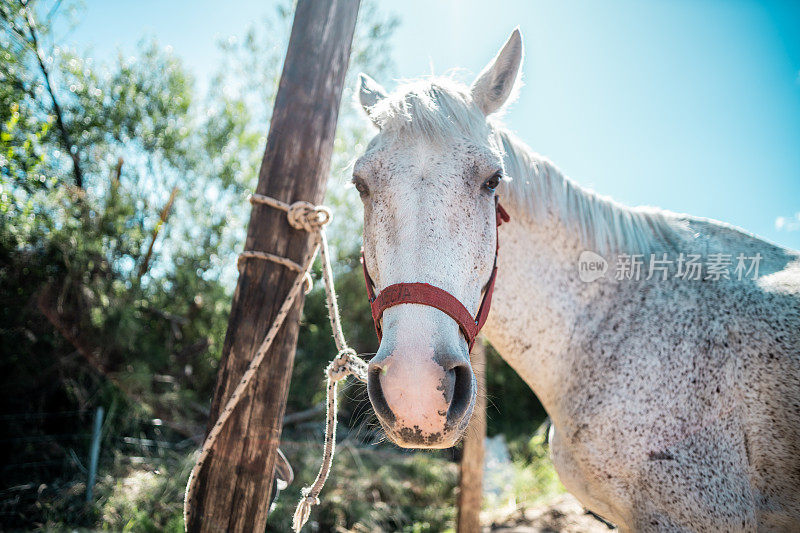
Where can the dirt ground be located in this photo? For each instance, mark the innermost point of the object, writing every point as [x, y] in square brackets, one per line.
[561, 515]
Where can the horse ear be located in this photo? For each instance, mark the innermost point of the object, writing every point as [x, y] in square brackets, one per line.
[370, 93]
[495, 84]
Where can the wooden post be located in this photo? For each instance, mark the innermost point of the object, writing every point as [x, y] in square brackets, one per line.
[235, 484]
[470, 484]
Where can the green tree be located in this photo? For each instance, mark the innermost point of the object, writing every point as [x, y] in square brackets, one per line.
[107, 296]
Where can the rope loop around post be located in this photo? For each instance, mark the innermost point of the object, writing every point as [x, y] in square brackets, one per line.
[301, 215]
[288, 263]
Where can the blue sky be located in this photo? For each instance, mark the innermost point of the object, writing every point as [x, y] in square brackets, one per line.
[690, 105]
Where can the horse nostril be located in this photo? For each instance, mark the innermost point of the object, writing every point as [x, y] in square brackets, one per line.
[376, 397]
[462, 394]
[431, 395]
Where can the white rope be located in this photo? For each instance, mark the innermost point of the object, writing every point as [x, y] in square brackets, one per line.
[311, 218]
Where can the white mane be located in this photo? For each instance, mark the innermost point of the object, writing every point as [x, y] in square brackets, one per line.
[539, 186]
[439, 107]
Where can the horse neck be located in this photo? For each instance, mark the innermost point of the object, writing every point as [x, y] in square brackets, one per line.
[539, 297]
[536, 302]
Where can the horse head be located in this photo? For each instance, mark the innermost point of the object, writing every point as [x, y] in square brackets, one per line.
[428, 182]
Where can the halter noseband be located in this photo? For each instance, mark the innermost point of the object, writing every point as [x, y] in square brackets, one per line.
[427, 294]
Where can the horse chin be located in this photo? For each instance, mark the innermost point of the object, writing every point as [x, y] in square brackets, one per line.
[439, 446]
[414, 439]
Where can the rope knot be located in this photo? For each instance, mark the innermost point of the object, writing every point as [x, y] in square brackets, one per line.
[340, 367]
[307, 216]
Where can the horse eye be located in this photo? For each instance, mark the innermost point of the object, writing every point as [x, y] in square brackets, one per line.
[360, 186]
[494, 181]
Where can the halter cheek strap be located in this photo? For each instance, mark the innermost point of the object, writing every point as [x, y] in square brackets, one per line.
[427, 294]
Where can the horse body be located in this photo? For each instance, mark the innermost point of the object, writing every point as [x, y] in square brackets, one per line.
[675, 402]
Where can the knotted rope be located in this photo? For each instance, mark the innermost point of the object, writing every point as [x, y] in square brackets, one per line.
[310, 218]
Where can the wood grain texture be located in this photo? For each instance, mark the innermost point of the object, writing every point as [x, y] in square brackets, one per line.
[235, 485]
[470, 484]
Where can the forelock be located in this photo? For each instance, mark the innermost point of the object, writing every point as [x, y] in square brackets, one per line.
[434, 108]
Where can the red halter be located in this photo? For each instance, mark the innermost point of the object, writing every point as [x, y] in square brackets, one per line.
[427, 294]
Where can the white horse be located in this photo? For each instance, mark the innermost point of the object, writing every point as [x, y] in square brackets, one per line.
[675, 401]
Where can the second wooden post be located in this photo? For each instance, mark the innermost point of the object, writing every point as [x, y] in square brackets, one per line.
[470, 484]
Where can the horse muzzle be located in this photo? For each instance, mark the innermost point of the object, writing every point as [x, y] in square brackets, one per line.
[423, 397]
